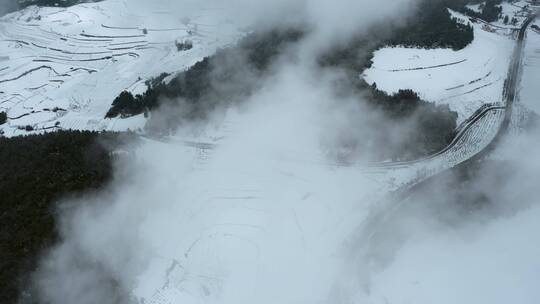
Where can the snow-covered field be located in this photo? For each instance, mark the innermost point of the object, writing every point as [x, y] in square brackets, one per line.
[464, 79]
[62, 67]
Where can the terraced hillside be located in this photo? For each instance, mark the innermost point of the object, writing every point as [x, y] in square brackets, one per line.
[62, 67]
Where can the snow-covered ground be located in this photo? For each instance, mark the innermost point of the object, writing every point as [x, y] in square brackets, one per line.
[464, 79]
[62, 67]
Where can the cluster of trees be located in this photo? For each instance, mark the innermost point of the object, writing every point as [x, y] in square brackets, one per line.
[61, 3]
[512, 21]
[8, 6]
[432, 127]
[197, 86]
[185, 45]
[35, 172]
[434, 27]
[3, 118]
[125, 105]
[214, 80]
[491, 11]
[231, 74]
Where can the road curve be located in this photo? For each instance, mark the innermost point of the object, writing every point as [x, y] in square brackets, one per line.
[461, 130]
[373, 229]
[510, 90]
[509, 96]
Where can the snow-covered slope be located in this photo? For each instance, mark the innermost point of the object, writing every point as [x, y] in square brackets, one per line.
[464, 79]
[62, 67]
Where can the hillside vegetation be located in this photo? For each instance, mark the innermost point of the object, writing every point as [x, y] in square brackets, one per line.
[221, 79]
[218, 79]
[60, 3]
[35, 172]
[434, 27]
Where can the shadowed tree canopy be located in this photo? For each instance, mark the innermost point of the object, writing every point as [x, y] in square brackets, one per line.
[3, 118]
[60, 3]
[228, 76]
[35, 172]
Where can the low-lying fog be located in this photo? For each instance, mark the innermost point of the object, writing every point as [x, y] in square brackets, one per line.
[267, 216]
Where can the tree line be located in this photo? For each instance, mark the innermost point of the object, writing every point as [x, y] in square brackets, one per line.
[35, 172]
[217, 79]
[221, 79]
[434, 27]
[60, 3]
[490, 11]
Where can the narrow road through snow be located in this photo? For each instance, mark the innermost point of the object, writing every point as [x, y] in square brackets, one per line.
[375, 225]
[476, 137]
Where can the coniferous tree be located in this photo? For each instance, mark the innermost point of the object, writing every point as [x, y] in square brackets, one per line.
[35, 172]
[3, 118]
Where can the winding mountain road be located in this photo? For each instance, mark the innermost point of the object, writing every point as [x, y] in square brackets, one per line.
[475, 138]
[510, 90]
[374, 229]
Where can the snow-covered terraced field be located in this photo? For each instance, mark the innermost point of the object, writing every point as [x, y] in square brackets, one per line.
[464, 79]
[62, 67]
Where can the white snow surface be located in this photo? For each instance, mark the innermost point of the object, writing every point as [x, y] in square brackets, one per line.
[78, 59]
[464, 79]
